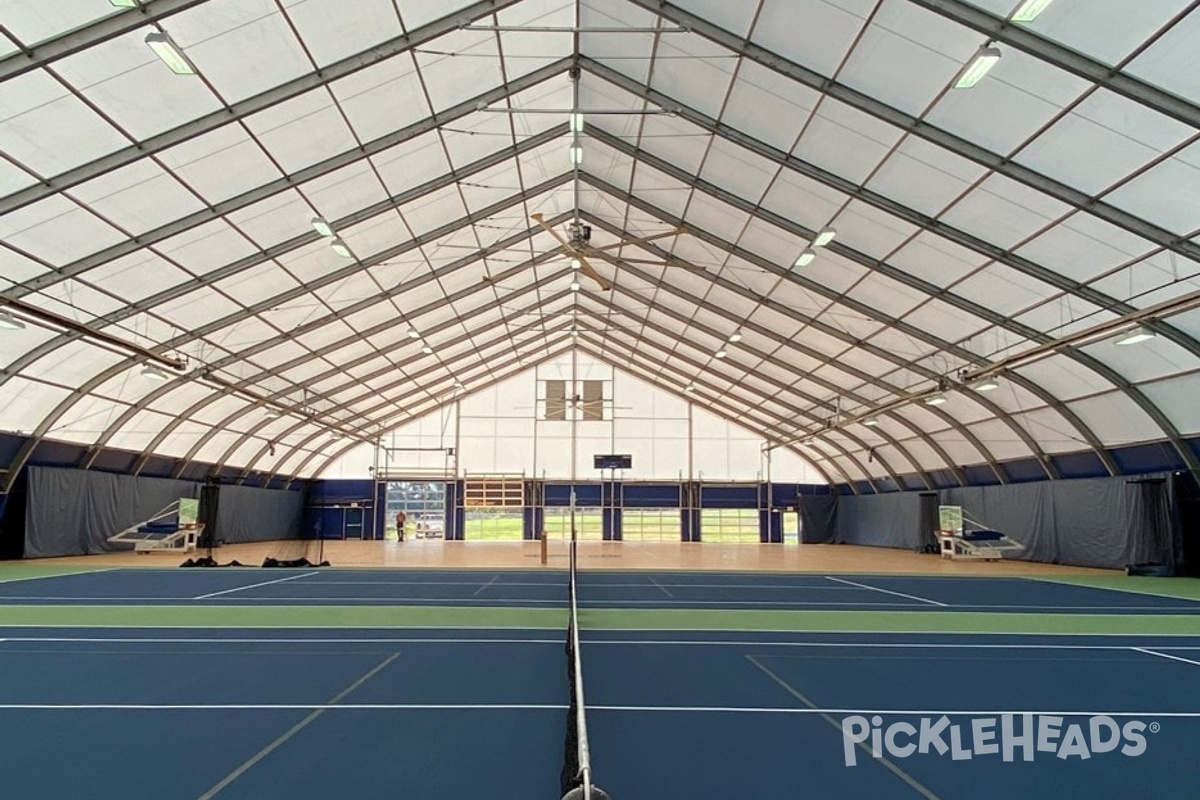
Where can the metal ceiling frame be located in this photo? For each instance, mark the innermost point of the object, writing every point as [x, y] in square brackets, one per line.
[894, 208]
[1023, 38]
[907, 123]
[861, 309]
[631, 353]
[242, 109]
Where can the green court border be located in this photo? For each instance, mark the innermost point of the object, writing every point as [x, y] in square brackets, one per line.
[1179, 588]
[139, 616]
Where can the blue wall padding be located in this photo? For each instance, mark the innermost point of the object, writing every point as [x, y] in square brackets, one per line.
[534, 521]
[690, 524]
[611, 520]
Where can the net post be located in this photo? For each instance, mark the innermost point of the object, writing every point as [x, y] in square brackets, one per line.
[544, 546]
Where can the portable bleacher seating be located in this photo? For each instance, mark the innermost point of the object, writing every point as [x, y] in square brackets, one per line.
[163, 531]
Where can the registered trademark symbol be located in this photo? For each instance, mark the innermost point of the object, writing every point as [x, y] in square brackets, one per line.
[1155, 727]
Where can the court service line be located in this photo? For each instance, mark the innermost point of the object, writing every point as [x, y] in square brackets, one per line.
[486, 585]
[888, 591]
[255, 585]
[58, 575]
[751, 643]
[660, 586]
[789, 710]
[883, 761]
[1166, 655]
[292, 731]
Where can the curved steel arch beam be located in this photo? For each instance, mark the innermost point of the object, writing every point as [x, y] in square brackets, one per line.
[102, 30]
[906, 122]
[47, 423]
[158, 9]
[315, 324]
[699, 366]
[749, 324]
[719, 408]
[387, 369]
[935, 226]
[907, 279]
[148, 304]
[1066, 59]
[823, 291]
[505, 371]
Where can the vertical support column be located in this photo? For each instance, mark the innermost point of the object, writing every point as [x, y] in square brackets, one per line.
[690, 513]
[534, 513]
[456, 513]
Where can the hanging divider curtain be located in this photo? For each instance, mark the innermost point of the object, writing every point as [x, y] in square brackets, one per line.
[73, 512]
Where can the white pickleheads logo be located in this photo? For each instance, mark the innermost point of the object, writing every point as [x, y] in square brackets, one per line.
[1010, 736]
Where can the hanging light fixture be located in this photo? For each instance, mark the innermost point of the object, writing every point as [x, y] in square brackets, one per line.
[340, 248]
[322, 227]
[10, 323]
[170, 53]
[806, 258]
[980, 65]
[154, 373]
[824, 236]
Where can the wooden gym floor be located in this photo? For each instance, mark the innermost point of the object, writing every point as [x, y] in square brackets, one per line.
[601, 555]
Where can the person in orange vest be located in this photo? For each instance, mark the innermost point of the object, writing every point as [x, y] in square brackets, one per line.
[401, 521]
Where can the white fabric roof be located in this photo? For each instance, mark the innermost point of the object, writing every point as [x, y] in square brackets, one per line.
[1014, 227]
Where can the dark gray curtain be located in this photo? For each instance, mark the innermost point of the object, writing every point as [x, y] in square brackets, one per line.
[1096, 522]
[248, 514]
[818, 518]
[72, 512]
[881, 520]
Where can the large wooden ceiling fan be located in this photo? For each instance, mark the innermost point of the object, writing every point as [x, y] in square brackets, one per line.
[577, 242]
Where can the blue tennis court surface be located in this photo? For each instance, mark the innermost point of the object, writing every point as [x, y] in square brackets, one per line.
[545, 589]
[299, 714]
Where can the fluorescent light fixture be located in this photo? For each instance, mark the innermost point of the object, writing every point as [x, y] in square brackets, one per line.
[986, 385]
[340, 248]
[170, 53]
[576, 121]
[413, 333]
[935, 400]
[574, 332]
[689, 388]
[154, 373]
[1135, 336]
[824, 237]
[720, 354]
[458, 384]
[273, 413]
[574, 286]
[10, 323]
[576, 263]
[735, 337]
[806, 258]
[1029, 10]
[123, 3]
[980, 64]
[576, 153]
[870, 422]
[322, 227]
[427, 350]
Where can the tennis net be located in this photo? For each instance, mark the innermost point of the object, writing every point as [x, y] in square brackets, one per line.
[577, 763]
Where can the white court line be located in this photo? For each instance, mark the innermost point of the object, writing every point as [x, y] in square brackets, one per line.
[292, 731]
[889, 591]
[660, 586]
[59, 575]
[486, 585]
[254, 585]
[748, 643]
[1167, 655]
[1059, 582]
[894, 712]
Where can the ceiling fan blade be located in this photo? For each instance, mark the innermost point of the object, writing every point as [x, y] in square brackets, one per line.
[540, 220]
[587, 269]
[644, 239]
